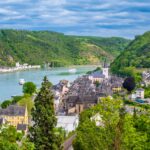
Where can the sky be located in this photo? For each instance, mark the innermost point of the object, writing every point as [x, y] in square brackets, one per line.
[124, 18]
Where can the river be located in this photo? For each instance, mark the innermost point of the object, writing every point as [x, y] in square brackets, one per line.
[9, 81]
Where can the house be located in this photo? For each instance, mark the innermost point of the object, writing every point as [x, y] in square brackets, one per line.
[81, 95]
[59, 91]
[97, 76]
[15, 115]
[68, 123]
[116, 87]
[140, 93]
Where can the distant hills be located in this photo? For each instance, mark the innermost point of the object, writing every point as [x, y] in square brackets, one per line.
[39, 47]
[137, 54]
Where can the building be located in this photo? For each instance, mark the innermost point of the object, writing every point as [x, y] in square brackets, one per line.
[59, 91]
[15, 115]
[105, 71]
[81, 95]
[140, 93]
[146, 77]
[68, 123]
[97, 76]
[116, 87]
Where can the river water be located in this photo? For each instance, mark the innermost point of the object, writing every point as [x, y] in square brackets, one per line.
[9, 81]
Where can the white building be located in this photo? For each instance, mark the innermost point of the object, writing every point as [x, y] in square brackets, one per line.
[68, 123]
[17, 64]
[140, 93]
[105, 71]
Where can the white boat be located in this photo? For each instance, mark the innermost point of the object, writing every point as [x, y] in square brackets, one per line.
[21, 81]
[73, 70]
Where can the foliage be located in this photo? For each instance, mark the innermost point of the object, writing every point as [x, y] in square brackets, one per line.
[43, 131]
[137, 54]
[147, 92]
[29, 88]
[97, 83]
[90, 136]
[129, 84]
[97, 69]
[39, 47]
[8, 138]
[27, 145]
[26, 101]
[120, 130]
[16, 99]
[5, 103]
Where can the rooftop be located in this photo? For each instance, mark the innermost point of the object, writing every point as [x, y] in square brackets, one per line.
[13, 110]
[22, 127]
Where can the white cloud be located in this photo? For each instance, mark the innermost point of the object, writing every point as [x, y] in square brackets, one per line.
[77, 16]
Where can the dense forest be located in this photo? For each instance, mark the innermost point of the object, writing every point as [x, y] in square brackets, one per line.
[137, 55]
[39, 47]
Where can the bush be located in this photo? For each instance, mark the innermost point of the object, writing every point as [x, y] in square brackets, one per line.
[6, 103]
[29, 88]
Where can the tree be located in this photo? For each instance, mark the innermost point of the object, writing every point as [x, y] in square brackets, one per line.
[26, 101]
[90, 136]
[27, 145]
[120, 131]
[129, 84]
[6, 103]
[9, 137]
[43, 131]
[29, 88]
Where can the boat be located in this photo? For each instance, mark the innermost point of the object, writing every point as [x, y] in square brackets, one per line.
[21, 81]
[73, 70]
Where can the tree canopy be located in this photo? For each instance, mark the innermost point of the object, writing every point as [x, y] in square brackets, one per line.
[129, 84]
[39, 47]
[43, 115]
[120, 130]
[29, 88]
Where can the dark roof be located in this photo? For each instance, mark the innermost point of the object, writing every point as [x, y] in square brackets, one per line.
[22, 127]
[13, 110]
[140, 89]
[97, 74]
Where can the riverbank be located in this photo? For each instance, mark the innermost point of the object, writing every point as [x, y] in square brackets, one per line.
[20, 68]
[10, 81]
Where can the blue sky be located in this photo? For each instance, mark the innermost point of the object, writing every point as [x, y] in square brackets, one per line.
[125, 18]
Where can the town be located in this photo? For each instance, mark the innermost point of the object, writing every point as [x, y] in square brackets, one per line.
[72, 98]
[18, 67]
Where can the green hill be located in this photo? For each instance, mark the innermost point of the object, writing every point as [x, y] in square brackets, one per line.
[136, 55]
[39, 47]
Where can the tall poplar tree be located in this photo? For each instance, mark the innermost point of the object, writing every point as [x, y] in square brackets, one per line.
[43, 132]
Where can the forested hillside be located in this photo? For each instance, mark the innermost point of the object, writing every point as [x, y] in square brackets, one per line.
[136, 55]
[39, 47]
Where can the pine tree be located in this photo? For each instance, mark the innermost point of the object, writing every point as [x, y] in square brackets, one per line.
[43, 132]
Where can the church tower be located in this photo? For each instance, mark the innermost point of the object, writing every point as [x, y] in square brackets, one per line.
[105, 70]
